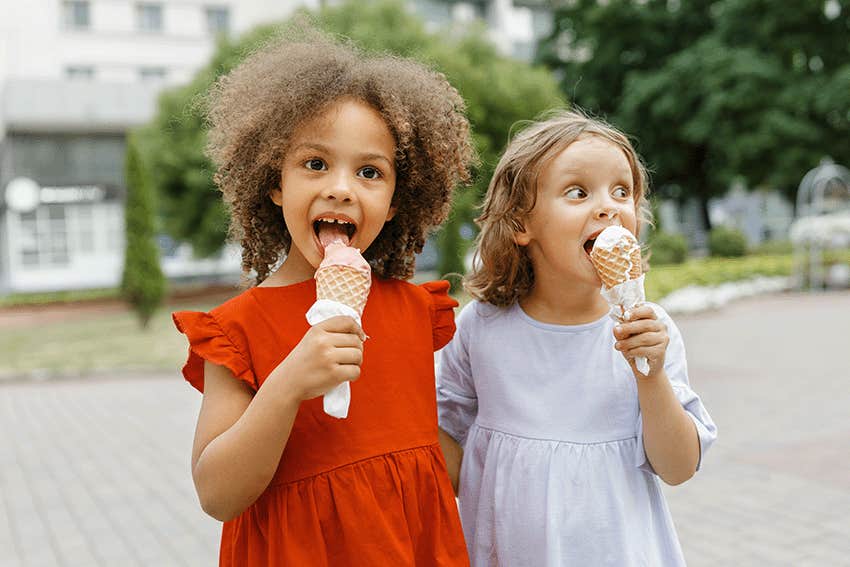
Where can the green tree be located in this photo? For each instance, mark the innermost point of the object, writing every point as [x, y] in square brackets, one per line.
[712, 89]
[142, 283]
[498, 91]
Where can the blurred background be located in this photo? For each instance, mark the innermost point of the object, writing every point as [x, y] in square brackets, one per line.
[109, 218]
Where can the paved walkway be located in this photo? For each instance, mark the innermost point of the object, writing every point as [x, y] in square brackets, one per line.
[96, 473]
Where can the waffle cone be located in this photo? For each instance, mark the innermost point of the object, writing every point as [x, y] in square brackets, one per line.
[344, 284]
[618, 264]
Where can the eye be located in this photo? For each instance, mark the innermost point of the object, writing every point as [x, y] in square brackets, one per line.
[622, 192]
[315, 164]
[369, 172]
[575, 193]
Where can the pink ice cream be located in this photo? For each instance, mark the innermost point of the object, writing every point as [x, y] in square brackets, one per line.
[338, 253]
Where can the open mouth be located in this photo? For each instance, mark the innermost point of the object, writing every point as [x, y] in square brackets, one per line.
[591, 240]
[329, 229]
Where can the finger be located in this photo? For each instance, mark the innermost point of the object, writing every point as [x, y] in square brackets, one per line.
[640, 312]
[348, 355]
[347, 373]
[652, 353]
[625, 330]
[342, 324]
[640, 341]
[346, 340]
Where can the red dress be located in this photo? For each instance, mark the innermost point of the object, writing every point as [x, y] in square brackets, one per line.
[371, 489]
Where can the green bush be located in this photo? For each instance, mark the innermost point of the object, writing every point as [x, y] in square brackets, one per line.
[772, 248]
[664, 280]
[666, 248]
[725, 242]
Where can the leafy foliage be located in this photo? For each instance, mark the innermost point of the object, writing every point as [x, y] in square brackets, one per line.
[713, 89]
[668, 248]
[142, 283]
[727, 242]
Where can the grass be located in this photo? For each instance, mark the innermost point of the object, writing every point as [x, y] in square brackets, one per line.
[94, 343]
[112, 341]
[70, 296]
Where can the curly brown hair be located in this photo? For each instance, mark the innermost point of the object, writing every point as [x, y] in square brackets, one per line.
[502, 272]
[255, 109]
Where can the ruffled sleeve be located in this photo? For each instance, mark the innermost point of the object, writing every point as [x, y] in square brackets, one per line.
[442, 312]
[676, 367]
[209, 341]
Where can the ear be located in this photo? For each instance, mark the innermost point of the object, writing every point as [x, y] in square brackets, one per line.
[391, 213]
[277, 196]
[522, 236]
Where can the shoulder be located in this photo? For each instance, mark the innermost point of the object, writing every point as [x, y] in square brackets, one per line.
[663, 316]
[433, 294]
[477, 314]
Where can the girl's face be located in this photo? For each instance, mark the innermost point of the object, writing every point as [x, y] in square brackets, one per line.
[337, 181]
[582, 190]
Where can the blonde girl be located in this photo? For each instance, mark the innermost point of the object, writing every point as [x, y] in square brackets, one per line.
[561, 441]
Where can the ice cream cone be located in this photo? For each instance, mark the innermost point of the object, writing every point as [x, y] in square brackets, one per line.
[347, 285]
[343, 280]
[616, 257]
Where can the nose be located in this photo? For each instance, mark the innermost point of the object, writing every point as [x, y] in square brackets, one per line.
[339, 189]
[607, 212]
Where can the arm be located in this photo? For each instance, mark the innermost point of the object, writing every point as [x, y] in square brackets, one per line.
[453, 454]
[240, 436]
[669, 435]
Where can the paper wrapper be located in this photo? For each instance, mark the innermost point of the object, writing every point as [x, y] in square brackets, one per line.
[622, 298]
[336, 401]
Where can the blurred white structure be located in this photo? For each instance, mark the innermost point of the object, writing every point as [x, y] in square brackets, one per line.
[75, 75]
[823, 222]
[515, 26]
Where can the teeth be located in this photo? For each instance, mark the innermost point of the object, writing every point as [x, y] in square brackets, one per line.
[338, 221]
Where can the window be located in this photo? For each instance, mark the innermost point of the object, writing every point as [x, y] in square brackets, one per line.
[218, 20]
[75, 14]
[44, 237]
[81, 72]
[149, 17]
[85, 229]
[152, 73]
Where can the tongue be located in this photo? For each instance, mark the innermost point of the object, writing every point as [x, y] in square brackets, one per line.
[330, 232]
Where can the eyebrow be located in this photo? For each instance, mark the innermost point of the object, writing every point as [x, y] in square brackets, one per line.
[368, 156]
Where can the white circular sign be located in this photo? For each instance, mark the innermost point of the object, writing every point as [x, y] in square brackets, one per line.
[22, 194]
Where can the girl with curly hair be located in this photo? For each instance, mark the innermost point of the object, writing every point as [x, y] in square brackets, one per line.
[563, 437]
[316, 141]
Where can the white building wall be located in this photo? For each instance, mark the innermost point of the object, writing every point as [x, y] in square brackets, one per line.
[35, 43]
[37, 49]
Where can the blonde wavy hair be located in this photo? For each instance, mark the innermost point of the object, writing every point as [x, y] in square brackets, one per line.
[254, 110]
[502, 272]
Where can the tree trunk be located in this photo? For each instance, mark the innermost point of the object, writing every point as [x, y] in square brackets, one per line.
[703, 206]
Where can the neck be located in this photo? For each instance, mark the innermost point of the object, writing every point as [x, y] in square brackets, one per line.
[290, 272]
[560, 303]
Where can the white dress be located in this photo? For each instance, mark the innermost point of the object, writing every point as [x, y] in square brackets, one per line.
[554, 471]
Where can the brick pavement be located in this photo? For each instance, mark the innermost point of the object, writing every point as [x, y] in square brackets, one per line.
[95, 473]
[775, 490]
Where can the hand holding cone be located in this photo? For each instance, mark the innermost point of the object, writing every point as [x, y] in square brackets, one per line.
[343, 280]
[617, 259]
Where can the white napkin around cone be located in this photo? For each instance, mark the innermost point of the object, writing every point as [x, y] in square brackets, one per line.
[624, 297]
[337, 400]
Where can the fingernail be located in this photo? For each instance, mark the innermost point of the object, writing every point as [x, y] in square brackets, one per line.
[627, 315]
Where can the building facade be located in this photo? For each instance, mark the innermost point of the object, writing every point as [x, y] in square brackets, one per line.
[76, 75]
